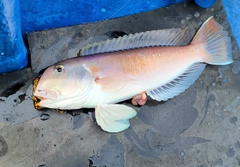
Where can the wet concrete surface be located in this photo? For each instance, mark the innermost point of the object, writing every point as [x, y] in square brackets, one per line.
[198, 128]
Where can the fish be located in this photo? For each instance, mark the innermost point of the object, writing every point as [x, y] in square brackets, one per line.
[158, 62]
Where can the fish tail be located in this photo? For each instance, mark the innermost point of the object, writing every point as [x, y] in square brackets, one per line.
[216, 43]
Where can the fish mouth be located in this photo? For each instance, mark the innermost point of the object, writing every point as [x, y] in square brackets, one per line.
[40, 96]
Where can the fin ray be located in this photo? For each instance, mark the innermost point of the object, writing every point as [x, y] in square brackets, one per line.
[216, 43]
[112, 83]
[178, 85]
[167, 37]
[114, 117]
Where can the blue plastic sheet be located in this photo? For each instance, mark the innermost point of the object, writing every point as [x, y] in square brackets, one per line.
[46, 14]
[233, 13]
[13, 54]
[205, 3]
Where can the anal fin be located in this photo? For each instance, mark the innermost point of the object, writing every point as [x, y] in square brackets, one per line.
[178, 85]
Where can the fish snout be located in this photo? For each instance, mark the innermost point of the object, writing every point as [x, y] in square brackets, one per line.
[45, 94]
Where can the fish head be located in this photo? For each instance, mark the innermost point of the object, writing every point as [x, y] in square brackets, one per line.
[60, 84]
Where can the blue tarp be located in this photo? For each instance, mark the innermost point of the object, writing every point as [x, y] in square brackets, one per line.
[233, 14]
[46, 14]
[13, 54]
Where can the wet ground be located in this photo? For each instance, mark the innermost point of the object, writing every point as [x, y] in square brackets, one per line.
[198, 128]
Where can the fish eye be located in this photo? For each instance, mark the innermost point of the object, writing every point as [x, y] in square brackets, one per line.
[58, 69]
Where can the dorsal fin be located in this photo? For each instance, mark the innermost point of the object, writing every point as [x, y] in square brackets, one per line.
[168, 37]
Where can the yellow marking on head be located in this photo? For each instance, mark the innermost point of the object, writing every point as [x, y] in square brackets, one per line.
[35, 99]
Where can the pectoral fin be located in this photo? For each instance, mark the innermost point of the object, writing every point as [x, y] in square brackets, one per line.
[114, 117]
[112, 83]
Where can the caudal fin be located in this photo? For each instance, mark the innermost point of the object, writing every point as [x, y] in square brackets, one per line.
[215, 42]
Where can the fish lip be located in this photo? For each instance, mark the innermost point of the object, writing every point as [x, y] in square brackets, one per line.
[46, 94]
[42, 97]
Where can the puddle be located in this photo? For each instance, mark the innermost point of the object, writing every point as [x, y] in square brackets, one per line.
[12, 89]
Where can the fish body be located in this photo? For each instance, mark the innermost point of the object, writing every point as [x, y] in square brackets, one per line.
[128, 73]
[152, 62]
